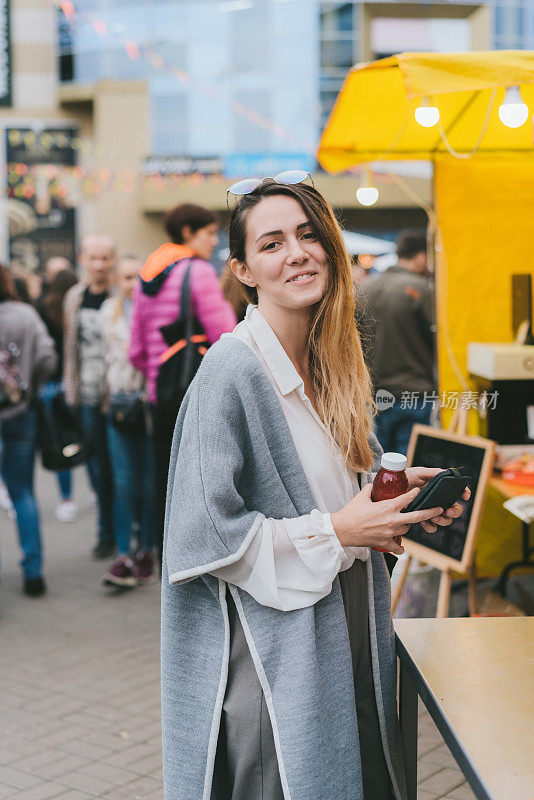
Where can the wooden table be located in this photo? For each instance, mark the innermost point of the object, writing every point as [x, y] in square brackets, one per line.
[509, 490]
[476, 678]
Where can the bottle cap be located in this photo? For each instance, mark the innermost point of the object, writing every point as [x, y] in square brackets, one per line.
[394, 461]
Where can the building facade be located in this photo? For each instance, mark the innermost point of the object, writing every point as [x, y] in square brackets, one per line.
[156, 92]
[260, 76]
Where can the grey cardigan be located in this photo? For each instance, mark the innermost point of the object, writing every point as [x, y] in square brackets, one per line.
[233, 463]
[21, 325]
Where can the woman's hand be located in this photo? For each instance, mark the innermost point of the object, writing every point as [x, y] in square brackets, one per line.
[418, 476]
[362, 523]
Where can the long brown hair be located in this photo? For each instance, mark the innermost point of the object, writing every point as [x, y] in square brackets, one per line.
[337, 366]
[8, 290]
[55, 294]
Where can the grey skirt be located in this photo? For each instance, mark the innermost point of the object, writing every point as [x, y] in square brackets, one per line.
[246, 766]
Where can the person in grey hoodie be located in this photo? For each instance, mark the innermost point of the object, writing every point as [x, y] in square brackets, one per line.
[25, 342]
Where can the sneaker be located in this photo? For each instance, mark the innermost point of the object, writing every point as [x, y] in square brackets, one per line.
[121, 573]
[102, 550]
[66, 511]
[34, 587]
[144, 567]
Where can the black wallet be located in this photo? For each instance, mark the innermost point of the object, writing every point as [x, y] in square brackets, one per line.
[441, 491]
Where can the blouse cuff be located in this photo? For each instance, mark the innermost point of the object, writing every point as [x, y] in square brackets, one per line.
[314, 528]
[329, 530]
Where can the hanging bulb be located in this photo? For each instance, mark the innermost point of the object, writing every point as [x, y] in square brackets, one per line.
[426, 115]
[367, 194]
[513, 112]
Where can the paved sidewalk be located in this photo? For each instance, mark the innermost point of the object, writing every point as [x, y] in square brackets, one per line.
[79, 692]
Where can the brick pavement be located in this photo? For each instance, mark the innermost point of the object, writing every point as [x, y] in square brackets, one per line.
[79, 694]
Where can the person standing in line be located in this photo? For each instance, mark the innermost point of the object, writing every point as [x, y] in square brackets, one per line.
[130, 446]
[193, 233]
[27, 359]
[50, 308]
[84, 368]
[53, 265]
[278, 649]
[399, 307]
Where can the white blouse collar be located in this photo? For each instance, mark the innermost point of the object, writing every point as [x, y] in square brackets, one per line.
[280, 365]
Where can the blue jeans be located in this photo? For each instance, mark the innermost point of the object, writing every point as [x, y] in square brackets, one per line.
[99, 468]
[394, 426]
[132, 463]
[64, 478]
[17, 464]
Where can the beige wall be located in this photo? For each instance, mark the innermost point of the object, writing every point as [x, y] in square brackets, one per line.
[112, 116]
[479, 18]
[340, 190]
[119, 117]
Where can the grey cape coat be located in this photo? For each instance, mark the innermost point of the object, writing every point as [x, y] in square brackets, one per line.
[233, 463]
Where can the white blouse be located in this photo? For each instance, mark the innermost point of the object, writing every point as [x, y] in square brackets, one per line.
[291, 563]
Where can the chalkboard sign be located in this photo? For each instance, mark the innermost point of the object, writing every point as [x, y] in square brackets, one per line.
[452, 546]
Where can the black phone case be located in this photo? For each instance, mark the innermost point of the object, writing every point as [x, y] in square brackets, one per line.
[442, 491]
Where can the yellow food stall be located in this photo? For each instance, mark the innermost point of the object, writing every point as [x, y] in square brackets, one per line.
[471, 115]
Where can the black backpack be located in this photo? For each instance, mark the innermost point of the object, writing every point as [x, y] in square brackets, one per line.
[59, 435]
[187, 344]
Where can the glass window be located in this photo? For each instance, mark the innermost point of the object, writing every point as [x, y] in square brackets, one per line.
[248, 137]
[249, 40]
[336, 56]
[337, 51]
[169, 124]
[513, 25]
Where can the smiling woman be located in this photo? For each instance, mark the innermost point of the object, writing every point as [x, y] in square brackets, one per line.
[301, 272]
[278, 653]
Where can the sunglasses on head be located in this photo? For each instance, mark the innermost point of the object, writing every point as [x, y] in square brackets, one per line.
[248, 185]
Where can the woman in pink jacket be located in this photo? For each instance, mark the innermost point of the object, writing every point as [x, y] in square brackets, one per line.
[156, 303]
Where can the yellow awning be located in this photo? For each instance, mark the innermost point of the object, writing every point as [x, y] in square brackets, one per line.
[373, 118]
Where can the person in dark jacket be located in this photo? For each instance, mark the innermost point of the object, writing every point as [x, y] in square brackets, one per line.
[399, 309]
[27, 359]
[50, 307]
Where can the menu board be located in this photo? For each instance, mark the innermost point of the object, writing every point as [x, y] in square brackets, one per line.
[453, 545]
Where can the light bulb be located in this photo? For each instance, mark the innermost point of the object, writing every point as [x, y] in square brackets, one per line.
[367, 195]
[513, 112]
[426, 115]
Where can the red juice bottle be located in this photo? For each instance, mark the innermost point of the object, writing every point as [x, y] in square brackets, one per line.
[390, 481]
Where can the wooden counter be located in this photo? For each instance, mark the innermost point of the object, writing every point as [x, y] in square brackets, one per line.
[476, 678]
[509, 489]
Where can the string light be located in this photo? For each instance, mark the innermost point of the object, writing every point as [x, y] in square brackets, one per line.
[367, 194]
[426, 114]
[66, 181]
[68, 9]
[513, 112]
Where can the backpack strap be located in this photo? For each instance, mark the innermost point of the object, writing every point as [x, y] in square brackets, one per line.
[187, 316]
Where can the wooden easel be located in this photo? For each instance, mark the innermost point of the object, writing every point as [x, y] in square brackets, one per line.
[458, 425]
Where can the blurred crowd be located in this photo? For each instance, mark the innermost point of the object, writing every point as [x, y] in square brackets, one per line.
[95, 338]
[92, 337]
